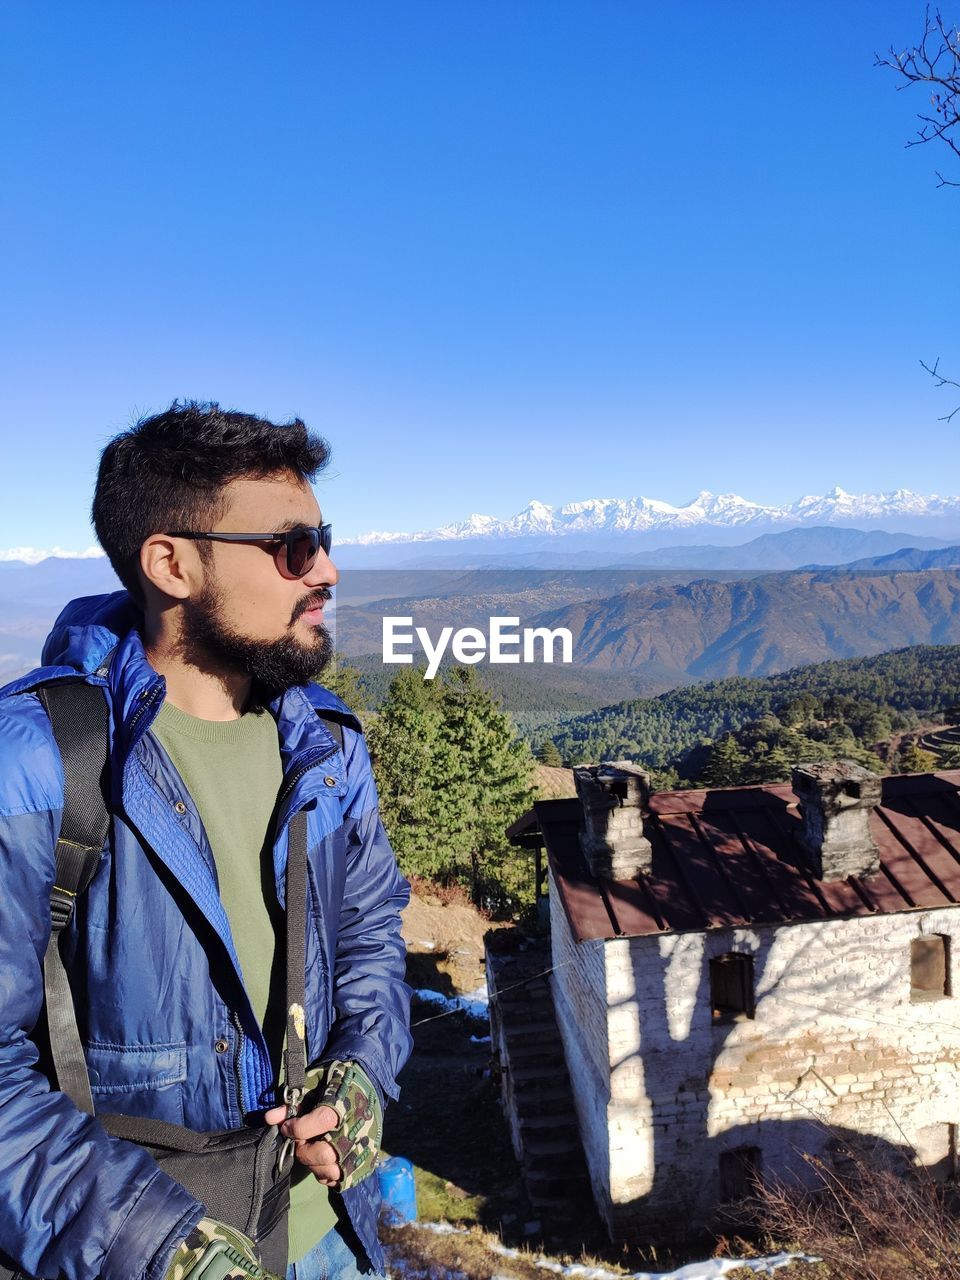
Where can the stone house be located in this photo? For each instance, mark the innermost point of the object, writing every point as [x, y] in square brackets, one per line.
[746, 976]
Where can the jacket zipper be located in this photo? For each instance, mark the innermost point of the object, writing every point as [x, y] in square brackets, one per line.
[237, 1055]
[304, 769]
[142, 710]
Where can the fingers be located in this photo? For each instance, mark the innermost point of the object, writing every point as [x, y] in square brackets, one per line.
[310, 1149]
[314, 1124]
[307, 1132]
[321, 1159]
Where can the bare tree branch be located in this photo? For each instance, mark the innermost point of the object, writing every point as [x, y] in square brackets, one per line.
[935, 61]
[934, 372]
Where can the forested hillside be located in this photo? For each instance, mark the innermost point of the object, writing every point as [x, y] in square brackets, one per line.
[908, 683]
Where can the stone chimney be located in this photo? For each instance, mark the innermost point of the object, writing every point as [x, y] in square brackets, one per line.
[614, 795]
[836, 799]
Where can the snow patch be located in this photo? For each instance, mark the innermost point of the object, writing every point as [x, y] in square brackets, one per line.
[707, 1270]
[475, 1004]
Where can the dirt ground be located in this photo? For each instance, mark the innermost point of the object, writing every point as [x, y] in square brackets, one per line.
[444, 937]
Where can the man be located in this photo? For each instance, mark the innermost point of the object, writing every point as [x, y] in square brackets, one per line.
[176, 950]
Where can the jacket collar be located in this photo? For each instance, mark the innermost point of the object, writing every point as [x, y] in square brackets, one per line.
[137, 692]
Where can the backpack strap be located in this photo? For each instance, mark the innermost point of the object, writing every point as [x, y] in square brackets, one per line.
[333, 722]
[79, 716]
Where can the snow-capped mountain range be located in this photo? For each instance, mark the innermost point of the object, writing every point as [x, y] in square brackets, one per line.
[643, 518]
[33, 555]
[706, 510]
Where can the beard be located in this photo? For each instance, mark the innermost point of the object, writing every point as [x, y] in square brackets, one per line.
[273, 665]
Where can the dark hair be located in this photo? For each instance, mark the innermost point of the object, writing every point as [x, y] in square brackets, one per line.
[168, 472]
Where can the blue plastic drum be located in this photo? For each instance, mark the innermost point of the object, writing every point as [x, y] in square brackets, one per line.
[395, 1176]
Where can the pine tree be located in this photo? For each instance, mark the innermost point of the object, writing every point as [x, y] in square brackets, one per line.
[403, 744]
[776, 766]
[346, 682]
[548, 754]
[726, 764]
[452, 776]
[487, 771]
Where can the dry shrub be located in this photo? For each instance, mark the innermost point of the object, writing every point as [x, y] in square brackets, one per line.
[416, 1254]
[866, 1218]
[448, 893]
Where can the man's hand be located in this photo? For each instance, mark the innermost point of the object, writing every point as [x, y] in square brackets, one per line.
[308, 1131]
[339, 1139]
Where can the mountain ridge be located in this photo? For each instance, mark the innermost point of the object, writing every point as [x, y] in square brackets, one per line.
[707, 509]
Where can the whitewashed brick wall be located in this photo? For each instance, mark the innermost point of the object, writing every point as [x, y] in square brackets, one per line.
[835, 1042]
[579, 997]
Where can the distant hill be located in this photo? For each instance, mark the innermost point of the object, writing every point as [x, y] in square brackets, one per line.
[910, 559]
[808, 546]
[924, 679]
[791, 549]
[534, 695]
[669, 634]
[438, 598]
[31, 596]
[708, 629]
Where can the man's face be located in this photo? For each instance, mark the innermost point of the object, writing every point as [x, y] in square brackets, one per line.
[249, 618]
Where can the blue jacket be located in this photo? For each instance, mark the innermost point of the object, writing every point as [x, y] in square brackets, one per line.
[153, 966]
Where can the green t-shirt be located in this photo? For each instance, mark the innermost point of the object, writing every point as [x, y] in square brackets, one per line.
[233, 771]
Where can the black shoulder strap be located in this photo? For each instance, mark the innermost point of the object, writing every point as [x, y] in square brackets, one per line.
[332, 720]
[78, 713]
[79, 716]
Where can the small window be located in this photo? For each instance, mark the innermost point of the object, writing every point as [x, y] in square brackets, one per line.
[929, 968]
[731, 987]
[739, 1173]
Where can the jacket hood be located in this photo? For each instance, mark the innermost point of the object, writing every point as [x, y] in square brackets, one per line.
[87, 629]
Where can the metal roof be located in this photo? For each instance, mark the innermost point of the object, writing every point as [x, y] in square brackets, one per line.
[731, 857]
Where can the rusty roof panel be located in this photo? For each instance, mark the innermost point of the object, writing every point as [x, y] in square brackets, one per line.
[667, 898]
[789, 889]
[744, 871]
[731, 857]
[695, 868]
[912, 853]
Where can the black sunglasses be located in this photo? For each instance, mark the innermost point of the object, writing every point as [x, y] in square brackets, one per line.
[296, 550]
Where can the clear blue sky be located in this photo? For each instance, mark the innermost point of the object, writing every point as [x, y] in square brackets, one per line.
[494, 249]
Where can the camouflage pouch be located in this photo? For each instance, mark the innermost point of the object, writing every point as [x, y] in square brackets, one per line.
[214, 1251]
[346, 1088]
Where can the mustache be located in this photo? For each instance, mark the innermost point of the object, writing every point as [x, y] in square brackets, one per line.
[313, 601]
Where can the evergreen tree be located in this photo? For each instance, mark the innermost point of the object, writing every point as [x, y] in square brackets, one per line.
[665, 780]
[548, 754]
[346, 682]
[776, 766]
[489, 771]
[726, 763]
[453, 775]
[403, 743]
